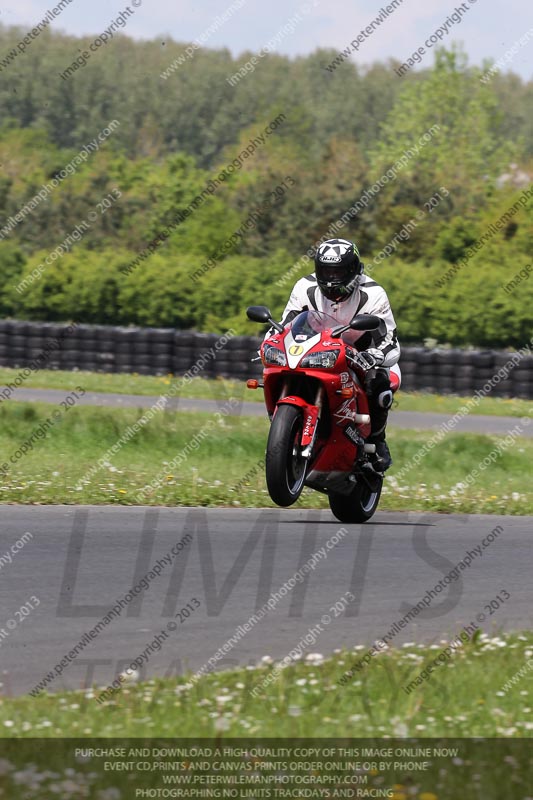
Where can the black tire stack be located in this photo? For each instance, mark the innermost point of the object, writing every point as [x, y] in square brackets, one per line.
[78, 348]
[13, 342]
[521, 379]
[183, 357]
[420, 371]
[483, 365]
[240, 350]
[157, 351]
[162, 351]
[463, 372]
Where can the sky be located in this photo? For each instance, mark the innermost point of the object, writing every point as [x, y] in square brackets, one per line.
[488, 28]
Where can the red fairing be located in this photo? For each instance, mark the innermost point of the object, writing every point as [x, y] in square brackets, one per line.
[318, 407]
[338, 450]
[310, 417]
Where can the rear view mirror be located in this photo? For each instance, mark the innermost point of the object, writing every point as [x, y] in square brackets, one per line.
[365, 322]
[258, 314]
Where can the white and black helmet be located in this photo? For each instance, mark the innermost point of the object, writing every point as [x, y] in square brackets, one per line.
[337, 267]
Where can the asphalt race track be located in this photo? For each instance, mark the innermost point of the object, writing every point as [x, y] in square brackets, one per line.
[82, 559]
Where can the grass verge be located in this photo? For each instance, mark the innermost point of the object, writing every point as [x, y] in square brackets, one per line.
[225, 467]
[468, 695]
[221, 388]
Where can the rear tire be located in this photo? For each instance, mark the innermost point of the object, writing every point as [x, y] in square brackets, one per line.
[358, 506]
[285, 469]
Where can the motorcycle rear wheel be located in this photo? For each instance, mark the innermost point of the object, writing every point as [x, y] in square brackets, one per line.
[360, 505]
[285, 467]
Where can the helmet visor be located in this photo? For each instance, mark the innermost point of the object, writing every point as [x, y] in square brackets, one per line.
[332, 273]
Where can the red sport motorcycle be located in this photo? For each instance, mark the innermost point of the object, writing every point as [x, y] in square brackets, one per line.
[319, 414]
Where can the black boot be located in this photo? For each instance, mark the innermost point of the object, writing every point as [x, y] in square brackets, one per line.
[379, 402]
[382, 458]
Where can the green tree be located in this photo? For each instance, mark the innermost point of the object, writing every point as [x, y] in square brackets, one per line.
[464, 153]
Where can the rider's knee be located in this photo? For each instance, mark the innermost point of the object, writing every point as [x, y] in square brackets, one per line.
[385, 399]
[379, 386]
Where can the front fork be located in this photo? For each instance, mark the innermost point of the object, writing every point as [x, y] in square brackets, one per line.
[319, 400]
[312, 413]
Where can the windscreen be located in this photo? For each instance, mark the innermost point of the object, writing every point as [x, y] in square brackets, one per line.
[309, 323]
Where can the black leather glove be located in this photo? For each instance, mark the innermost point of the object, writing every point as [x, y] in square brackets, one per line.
[367, 359]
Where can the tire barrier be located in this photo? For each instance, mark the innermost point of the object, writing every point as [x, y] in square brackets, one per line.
[164, 351]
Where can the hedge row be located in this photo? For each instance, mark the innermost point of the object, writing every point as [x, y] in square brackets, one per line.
[485, 304]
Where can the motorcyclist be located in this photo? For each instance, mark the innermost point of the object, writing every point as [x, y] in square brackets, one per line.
[339, 288]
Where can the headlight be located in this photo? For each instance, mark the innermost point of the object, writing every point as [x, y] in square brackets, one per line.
[325, 359]
[273, 355]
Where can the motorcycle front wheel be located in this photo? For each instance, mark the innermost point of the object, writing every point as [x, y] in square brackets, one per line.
[358, 506]
[285, 466]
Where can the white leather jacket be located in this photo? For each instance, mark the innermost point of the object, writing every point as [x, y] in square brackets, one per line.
[368, 298]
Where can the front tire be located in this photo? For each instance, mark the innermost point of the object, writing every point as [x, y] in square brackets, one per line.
[358, 506]
[285, 467]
